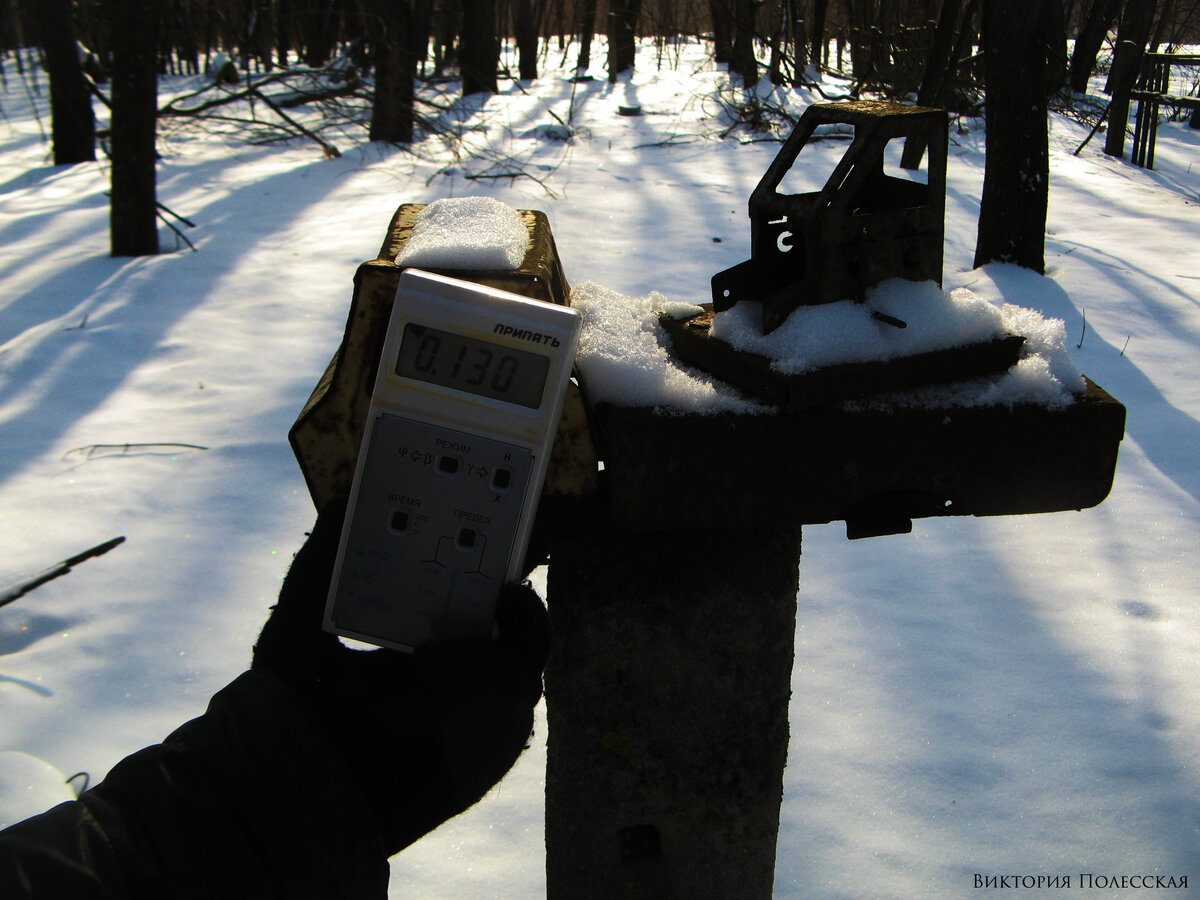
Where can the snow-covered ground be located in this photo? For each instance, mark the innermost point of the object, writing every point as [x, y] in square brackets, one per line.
[983, 696]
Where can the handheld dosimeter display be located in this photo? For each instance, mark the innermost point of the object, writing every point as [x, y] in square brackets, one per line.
[466, 404]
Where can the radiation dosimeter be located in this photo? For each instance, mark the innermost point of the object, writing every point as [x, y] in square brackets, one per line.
[465, 407]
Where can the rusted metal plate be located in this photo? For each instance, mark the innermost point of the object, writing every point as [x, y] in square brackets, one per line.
[539, 276]
[574, 468]
[328, 431]
[692, 343]
[875, 470]
[861, 227]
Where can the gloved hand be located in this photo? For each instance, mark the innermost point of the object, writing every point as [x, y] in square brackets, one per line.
[425, 734]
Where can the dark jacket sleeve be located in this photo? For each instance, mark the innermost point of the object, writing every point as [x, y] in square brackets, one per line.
[249, 800]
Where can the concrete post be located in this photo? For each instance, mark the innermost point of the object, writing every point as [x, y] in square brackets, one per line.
[667, 693]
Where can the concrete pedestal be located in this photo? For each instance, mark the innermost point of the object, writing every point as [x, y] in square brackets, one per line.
[667, 693]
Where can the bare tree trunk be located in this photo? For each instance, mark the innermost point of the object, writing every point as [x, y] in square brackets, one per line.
[775, 44]
[587, 31]
[721, 13]
[1012, 212]
[73, 126]
[820, 10]
[400, 32]
[861, 14]
[942, 63]
[1134, 27]
[317, 27]
[800, 53]
[1160, 28]
[1056, 48]
[1100, 18]
[623, 17]
[479, 48]
[1069, 12]
[178, 36]
[258, 34]
[421, 34]
[939, 69]
[392, 111]
[444, 27]
[967, 65]
[742, 61]
[525, 24]
[1127, 60]
[133, 220]
[283, 30]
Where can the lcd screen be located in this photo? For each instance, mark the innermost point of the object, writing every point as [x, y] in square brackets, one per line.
[472, 365]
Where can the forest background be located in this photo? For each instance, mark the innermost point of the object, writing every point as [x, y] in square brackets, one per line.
[375, 62]
[887, 44]
[930, 51]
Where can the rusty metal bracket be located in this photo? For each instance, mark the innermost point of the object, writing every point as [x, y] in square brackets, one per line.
[862, 227]
[874, 469]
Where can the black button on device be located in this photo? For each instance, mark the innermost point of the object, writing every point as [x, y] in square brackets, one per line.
[466, 538]
[399, 520]
[448, 465]
[502, 479]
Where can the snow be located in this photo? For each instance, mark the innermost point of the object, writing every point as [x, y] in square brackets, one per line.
[28, 786]
[845, 332]
[1045, 375]
[624, 360]
[466, 233]
[996, 696]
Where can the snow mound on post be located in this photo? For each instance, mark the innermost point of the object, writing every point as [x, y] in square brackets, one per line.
[831, 334]
[624, 359]
[470, 233]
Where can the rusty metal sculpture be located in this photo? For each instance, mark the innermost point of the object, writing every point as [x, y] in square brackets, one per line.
[863, 225]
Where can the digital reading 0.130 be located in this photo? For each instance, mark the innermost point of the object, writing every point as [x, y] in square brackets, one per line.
[469, 364]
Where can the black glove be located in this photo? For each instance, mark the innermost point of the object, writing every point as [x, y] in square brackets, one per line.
[425, 734]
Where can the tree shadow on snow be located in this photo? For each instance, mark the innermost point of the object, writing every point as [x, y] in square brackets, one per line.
[941, 727]
[1165, 433]
[57, 370]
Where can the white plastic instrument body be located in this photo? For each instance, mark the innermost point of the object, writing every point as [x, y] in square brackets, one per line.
[463, 416]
